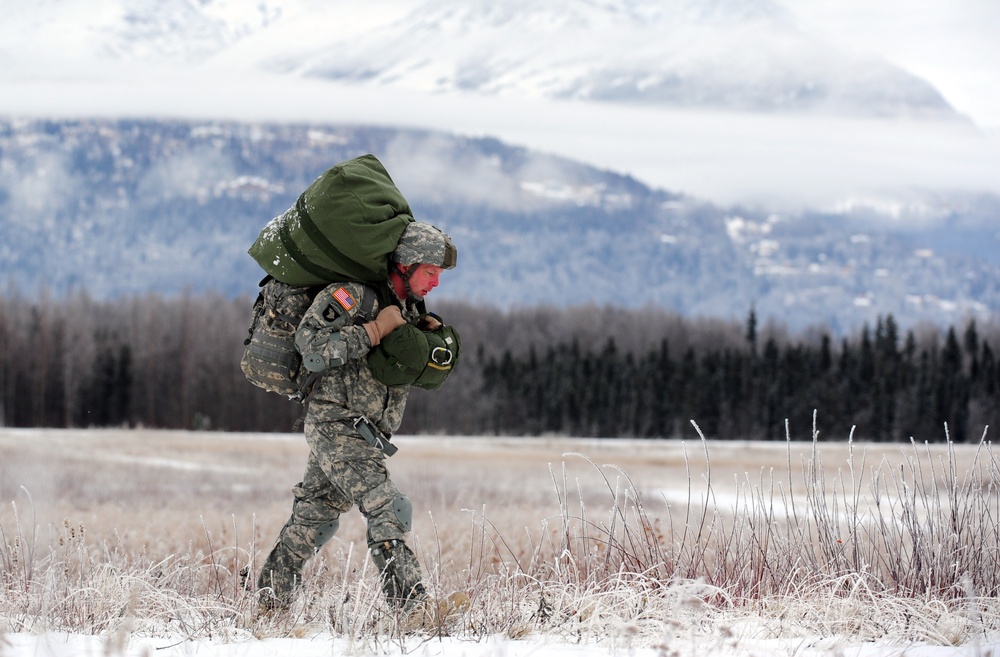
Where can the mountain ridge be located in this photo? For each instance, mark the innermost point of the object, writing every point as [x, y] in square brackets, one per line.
[132, 207]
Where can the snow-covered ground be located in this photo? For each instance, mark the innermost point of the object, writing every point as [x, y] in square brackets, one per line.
[323, 645]
[143, 494]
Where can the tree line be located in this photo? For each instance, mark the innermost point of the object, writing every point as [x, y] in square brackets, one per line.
[881, 385]
[173, 362]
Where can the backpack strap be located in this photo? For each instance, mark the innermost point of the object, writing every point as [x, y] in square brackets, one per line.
[258, 308]
[368, 300]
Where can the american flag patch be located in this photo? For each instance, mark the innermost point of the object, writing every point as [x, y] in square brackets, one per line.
[344, 298]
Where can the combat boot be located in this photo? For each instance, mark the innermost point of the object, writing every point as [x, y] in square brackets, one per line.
[400, 572]
[270, 604]
[279, 577]
[434, 615]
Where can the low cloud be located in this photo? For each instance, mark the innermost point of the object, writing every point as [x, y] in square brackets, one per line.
[38, 188]
[194, 175]
[783, 162]
[431, 169]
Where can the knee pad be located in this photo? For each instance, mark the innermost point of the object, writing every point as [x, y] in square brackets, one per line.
[326, 532]
[402, 508]
[388, 511]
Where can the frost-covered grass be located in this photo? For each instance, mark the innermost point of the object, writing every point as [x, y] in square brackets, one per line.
[672, 548]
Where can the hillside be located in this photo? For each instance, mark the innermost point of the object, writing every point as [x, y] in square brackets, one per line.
[130, 207]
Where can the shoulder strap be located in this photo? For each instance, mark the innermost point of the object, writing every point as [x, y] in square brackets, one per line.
[367, 305]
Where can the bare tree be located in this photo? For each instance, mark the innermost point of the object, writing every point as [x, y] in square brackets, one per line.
[80, 352]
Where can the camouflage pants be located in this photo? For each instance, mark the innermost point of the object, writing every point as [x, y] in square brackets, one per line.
[343, 471]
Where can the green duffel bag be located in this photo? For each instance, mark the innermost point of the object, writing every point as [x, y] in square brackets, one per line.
[341, 228]
[409, 356]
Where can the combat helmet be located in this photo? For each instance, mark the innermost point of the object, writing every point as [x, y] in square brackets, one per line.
[422, 243]
[427, 244]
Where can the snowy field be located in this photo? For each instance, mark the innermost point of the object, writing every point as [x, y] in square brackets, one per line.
[131, 543]
[322, 644]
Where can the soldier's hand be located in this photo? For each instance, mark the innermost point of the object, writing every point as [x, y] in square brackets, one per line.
[429, 322]
[387, 320]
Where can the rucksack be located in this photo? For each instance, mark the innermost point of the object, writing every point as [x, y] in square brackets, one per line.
[270, 359]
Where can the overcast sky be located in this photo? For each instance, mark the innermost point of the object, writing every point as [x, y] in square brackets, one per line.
[780, 161]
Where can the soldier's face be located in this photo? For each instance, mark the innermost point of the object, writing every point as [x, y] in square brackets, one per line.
[424, 279]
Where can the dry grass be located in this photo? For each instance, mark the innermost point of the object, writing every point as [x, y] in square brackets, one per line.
[623, 542]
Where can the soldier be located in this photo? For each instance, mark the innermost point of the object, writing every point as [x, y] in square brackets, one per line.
[349, 418]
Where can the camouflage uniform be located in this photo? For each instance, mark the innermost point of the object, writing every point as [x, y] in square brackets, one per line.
[344, 470]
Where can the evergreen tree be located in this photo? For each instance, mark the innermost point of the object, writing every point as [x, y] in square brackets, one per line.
[909, 409]
[685, 390]
[970, 342]
[664, 405]
[952, 390]
[770, 414]
[751, 331]
[886, 384]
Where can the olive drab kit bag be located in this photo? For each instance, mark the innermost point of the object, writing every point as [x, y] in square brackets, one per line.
[343, 227]
[409, 356]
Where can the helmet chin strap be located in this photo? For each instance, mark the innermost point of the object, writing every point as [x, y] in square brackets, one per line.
[405, 277]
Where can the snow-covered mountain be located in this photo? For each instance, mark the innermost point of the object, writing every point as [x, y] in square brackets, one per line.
[745, 55]
[732, 54]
